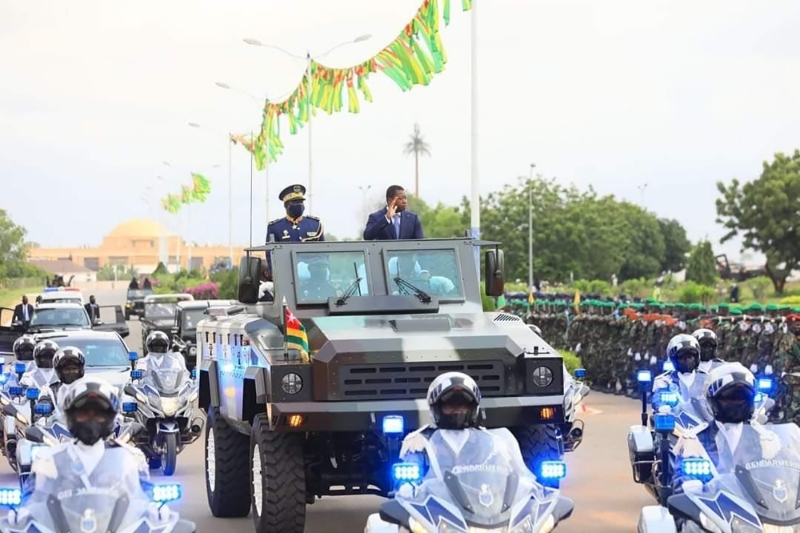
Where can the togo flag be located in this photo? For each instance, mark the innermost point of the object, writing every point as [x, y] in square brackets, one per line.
[296, 337]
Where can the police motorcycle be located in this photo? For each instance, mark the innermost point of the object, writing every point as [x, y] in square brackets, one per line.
[755, 490]
[112, 495]
[459, 477]
[572, 429]
[164, 392]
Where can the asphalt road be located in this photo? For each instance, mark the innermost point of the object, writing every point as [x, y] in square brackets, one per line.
[598, 477]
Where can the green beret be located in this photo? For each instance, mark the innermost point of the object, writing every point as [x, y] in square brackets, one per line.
[785, 307]
[772, 307]
[680, 305]
[755, 307]
[796, 310]
[714, 309]
[735, 311]
[695, 307]
[724, 305]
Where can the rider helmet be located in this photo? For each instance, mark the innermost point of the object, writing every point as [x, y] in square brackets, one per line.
[707, 340]
[454, 400]
[684, 352]
[157, 342]
[44, 352]
[23, 348]
[91, 407]
[69, 363]
[731, 391]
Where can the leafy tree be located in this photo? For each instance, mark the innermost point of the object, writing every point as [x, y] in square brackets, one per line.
[644, 250]
[416, 146]
[439, 222]
[676, 245]
[14, 251]
[764, 212]
[702, 267]
[160, 269]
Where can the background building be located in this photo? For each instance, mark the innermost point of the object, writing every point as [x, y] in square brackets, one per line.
[140, 244]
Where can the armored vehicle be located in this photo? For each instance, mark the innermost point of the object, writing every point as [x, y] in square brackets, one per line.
[134, 302]
[382, 319]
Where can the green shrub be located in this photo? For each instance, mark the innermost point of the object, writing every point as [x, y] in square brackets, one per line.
[599, 286]
[571, 360]
[760, 287]
[695, 293]
[790, 300]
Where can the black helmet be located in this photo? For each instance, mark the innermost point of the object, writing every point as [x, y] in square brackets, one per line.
[452, 390]
[69, 363]
[707, 340]
[44, 352]
[684, 352]
[99, 400]
[23, 348]
[731, 392]
[157, 342]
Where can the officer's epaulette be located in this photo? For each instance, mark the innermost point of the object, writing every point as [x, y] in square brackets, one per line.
[311, 217]
[276, 221]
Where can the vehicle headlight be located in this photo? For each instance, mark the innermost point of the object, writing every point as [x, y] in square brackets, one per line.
[169, 405]
[193, 350]
[542, 377]
[292, 383]
[416, 527]
[767, 528]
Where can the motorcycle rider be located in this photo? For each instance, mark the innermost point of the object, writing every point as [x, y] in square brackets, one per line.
[43, 375]
[687, 379]
[23, 351]
[707, 340]
[89, 461]
[69, 363]
[158, 345]
[732, 435]
[454, 402]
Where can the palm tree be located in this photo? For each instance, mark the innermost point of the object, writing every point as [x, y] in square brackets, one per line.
[417, 146]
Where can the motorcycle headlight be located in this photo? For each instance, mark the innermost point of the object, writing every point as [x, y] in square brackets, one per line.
[416, 527]
[169, 406]
[193, 350]
[708, 525]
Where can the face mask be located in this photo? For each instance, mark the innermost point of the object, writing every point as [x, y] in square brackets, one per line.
[88, 432]
[707, 352]
[295, 211]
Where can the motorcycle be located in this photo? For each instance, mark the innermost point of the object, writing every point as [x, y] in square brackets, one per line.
[60, 508]
[757, 494]
[165, 394]
[483, 490]
[572, 429]
[19, 408]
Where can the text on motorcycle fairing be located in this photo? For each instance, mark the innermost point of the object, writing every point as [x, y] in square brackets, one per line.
[88, 491]
[767, 463]
[468, 469]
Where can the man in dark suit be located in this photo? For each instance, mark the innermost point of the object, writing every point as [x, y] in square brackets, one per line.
[23, 312]
[92, 309]
[393, 221]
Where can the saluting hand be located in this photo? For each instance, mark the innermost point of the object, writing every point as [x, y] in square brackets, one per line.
[392, 210]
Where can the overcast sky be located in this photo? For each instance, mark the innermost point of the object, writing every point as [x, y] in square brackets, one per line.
[613, 93]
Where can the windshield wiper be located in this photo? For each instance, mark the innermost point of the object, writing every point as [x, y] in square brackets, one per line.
[405, 286]
[352, 289]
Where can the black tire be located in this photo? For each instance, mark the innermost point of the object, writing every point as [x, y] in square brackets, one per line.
[540, 443]
[169, 459]
[230, 495]
[283, 479]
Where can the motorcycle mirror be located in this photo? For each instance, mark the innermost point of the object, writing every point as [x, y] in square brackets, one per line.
[34, 434]
[10, 410]
[129, 390]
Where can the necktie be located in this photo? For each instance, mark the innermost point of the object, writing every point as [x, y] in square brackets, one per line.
[25, 312]
[396, 221]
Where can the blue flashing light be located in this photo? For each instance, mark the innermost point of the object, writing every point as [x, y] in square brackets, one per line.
[133, 356]
[10, 497]
[42, 408]
[406, 472]
[166, 493]
[32, 394]
[393, 425]
[664, 422]
[194, 373]
[129, 407]
[765, 384]
[580, 373]
[20, 368]
[3, 378]
[51, 289]
[228, 367]
[16, 392]
[644, 376]
[137, 374]
[696, 468]
[668, 366]
[760, 397]
[669, 398]
[553, 470]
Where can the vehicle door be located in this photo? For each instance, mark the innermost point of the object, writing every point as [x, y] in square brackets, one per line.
[112, 318]
[7, 333]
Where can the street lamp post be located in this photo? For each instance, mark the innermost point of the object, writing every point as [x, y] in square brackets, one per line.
[308, 58]
[230, 189]
[530, 230]
[475, 207]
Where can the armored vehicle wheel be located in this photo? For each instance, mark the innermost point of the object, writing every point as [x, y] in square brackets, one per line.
[226, 468]
[540, 443]
[278, 479]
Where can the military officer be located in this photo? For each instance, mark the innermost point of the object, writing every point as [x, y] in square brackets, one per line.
[296, 226]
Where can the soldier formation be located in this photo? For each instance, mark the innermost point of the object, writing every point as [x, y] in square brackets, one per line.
[615, 339]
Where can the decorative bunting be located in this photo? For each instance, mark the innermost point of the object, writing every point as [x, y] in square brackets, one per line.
[194, 193]
[413, 58]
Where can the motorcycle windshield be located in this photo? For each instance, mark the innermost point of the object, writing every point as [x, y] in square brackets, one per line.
[472, 476]
[167, 375]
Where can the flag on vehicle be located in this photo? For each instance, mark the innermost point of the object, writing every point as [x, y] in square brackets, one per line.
[294, 333]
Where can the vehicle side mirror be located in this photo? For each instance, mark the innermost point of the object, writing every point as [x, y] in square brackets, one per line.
[494, 277]
[249, 279]
[174, 330]
[98, 323]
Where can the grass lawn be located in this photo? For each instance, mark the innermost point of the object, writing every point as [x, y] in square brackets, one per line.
[11, 297]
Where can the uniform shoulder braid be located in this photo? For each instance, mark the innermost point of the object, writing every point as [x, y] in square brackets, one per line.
[275, 221]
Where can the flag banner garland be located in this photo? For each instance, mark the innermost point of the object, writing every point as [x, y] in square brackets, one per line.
[194, 193]
[413, 58]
